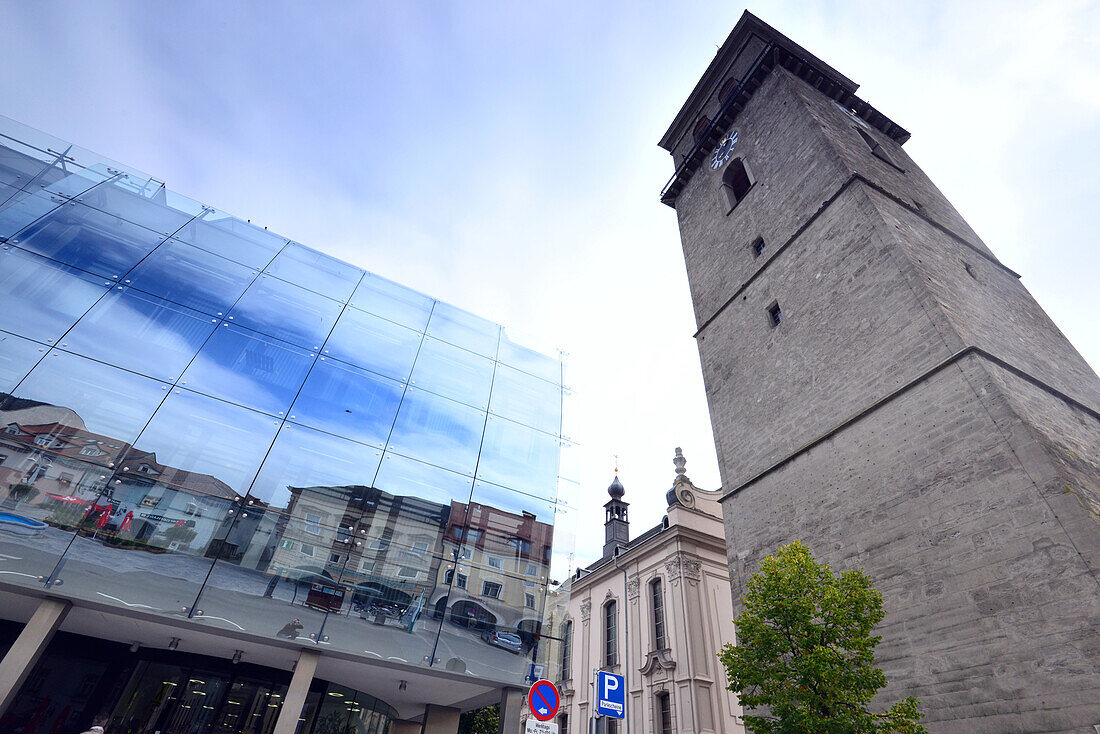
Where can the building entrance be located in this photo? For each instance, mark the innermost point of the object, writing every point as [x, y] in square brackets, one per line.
[79, 680]
[174, 699]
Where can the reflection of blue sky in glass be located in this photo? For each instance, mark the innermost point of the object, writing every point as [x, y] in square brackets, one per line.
[313, 270]
[120, 201]
[17, 356]
[89, 239]
[110, 401]
[39, 299]
[142, 333]
[517, 503]
[519, 458]
[525, 399]
[348, 401]
[403, 476]
[192, 277]
[369, 341]
[438, 431]
[454, 373]
[392, 301]
[21, 208]
[217, 240]
[287, 312]
[302, 457]
[250, 369]
[194, 433]
[463, 329]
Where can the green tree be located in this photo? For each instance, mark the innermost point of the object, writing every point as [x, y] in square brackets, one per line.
[480, 721]
[804, 659]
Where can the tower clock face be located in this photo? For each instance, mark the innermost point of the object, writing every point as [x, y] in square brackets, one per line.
[724, 150]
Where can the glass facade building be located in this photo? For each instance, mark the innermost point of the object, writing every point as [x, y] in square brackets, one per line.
[203, 420]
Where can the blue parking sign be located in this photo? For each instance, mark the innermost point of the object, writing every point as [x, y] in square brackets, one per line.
[610, 695]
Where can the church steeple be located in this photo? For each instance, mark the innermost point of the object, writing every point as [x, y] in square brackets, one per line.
[616, 524]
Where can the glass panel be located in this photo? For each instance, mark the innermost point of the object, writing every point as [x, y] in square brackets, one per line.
[399, 475]
[48, 493]
[88, 239]
[22, 208]
[391, 301]
[17, 357]
[388, 563]
[6, 192]
[195, 439]
[453, 372]
[243, 367]
[374, 343]
[282, 543]
[244, 230]
[192, 277]
[519, 458]
[490, 623]
[464, 330]
[174, 492]
[152, 213]
[284, 311]
[526, 399]
[225, 243]
[104, 406]
[23, 152]
[70, 419]
[317, 272]
[348, 402]
[517, 351]
[142, 333]
[438, 431]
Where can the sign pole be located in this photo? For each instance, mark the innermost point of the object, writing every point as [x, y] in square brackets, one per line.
[592, 719]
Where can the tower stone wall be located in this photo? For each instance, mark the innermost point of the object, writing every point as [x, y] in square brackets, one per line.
[916, 412]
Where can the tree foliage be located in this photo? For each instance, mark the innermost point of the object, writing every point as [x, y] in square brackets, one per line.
[480, 721]
[804, 659]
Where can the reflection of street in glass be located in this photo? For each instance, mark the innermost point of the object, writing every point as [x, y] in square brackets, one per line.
[290, 629]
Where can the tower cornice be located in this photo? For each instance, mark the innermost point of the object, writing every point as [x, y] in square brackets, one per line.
[752, 50]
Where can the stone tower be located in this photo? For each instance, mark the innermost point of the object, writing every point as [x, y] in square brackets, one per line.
[883, 388]
[616, 524]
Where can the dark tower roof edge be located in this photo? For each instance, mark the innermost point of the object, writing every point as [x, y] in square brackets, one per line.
[747, 57]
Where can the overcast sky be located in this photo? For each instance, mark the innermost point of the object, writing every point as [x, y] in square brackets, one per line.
[503, 157]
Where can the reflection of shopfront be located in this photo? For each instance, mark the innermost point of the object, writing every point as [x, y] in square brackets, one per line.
[471, 614]
[79, 679]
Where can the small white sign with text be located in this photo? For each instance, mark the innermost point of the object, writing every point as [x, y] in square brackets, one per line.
[534, 726]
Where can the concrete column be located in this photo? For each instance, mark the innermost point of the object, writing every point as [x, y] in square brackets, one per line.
[400, 726]
[511, 703]
[440, 720]
[295, 699]
[28, 648]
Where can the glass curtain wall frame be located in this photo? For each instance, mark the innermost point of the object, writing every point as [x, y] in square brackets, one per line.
[206, 339]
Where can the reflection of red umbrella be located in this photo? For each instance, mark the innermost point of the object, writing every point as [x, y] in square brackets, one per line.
[104, 517]
[68, 499]
[126, 522]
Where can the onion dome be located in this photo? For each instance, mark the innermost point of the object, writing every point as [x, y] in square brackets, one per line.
[616, 489]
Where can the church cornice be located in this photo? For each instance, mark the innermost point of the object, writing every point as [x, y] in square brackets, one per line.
[657, 660]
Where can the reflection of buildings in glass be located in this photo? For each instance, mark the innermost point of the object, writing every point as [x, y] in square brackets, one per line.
[66, 474]
[496, 571]
[386, 547]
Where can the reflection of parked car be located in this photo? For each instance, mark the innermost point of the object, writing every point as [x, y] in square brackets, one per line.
[507, 640]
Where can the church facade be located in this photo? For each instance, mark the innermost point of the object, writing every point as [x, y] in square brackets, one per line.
[654, 609]
[884, 388]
